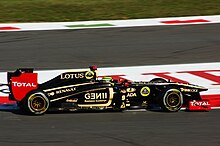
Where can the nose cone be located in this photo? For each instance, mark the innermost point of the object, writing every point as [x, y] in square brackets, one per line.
[200, 88]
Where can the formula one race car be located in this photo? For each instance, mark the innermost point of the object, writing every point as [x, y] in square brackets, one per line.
[82, 90]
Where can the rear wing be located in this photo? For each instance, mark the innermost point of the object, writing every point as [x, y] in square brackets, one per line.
[21, 82]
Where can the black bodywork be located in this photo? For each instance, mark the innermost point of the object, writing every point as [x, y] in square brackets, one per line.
[82, 90]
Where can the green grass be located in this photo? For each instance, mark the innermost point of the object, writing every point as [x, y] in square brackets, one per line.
[78, 10]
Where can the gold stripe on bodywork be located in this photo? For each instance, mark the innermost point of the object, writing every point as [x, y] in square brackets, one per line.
[75, 94]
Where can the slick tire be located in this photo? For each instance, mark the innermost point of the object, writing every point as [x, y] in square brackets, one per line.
[158, 80]
[35, 103]
[171, 100]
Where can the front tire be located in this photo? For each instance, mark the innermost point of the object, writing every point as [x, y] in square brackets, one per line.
[35, 103]
[171, 100]
[158, 80]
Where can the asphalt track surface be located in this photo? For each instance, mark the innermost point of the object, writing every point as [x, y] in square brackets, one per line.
[108, 48]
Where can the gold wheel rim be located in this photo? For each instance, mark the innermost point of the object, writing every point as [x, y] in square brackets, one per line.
[173, 99]
[38, 103]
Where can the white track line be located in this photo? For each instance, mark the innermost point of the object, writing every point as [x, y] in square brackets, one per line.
[110, 23]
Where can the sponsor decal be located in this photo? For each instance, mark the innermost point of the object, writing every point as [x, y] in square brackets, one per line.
[131, 95]
[96, 97]
[131, 89]
[145, 91]
[123, 97]
[123, 91]
[89, 75]
[123, 105]
[71, 100]
[72, 76]
[188, 90]
[65, 90]
[23, 84]
[199, 103]
[51, 94]
[60, 91]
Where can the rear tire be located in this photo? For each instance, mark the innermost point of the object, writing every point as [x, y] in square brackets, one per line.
[35, 103]
[171, 100]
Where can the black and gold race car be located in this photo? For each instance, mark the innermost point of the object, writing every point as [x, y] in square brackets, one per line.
[82, 90]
